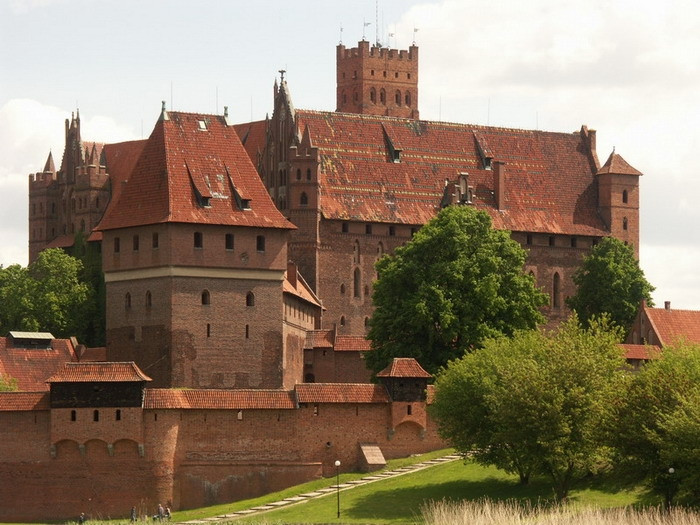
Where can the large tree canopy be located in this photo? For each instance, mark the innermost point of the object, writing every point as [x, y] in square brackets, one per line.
[455, 284]
[611, 282]
[658, 422]
[534, 403]
[47, 295]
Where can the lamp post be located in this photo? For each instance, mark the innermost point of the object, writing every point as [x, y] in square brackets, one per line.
[337, 484]
[669, 490]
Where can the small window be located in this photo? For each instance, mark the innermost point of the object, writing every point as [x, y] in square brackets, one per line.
[198, 240]
[245, 204]
[574, 242]
[414, 230]
[315, 409]
[408, 76]
[368, 229]
[247, 331]
[304, 199]
[373, 95]
[355, 97]
[127, 300]
[342, 289]
[250, 299]
[342, 320]
[366, 322]
[409, 410]
[206, 297]
[356, 283]
[392, 230]
[136, 243]
[344, 227]
[154, 240]
[229, 241]
[118, 415]
[624, 223]
[239, 415]
[260, 243]
[382, 94]
[73, 415]
[208, 330]
[116, 245]
[529, 239]
[551, 240]
[624, 196]
[149, 299]
[96, 415]
[397, 98]
[372, 72]
[384, 74]
[202, 125]
[556, 284]
[408, 98]
[298, 174]
[396, 75]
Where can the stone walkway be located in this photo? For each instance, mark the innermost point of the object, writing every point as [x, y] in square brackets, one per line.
[332, 489]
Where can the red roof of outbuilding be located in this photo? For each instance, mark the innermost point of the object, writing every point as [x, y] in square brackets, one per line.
[404, 367]
[188, 155]
[22, 401]
[672, 326]
[341, 393]
[352, 343]
[162, 398]
[643, 352]
[32, 366]
[319, 339]
[89, 372]
[549, 177]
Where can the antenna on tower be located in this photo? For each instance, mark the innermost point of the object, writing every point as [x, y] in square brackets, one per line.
[364, 26]
[376, 23]
[341, 33]
[415, 30]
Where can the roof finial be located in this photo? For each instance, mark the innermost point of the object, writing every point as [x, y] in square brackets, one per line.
[282, 72]
[163, 113]
[226, 118]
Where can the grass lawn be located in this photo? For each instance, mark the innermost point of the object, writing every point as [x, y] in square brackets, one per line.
[398, 500]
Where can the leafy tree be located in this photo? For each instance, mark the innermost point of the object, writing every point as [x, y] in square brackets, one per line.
[658, 423]
[92, 275]
[47, 296]
[7, 383]
[455, 284]
[534, 403]
[611, 282]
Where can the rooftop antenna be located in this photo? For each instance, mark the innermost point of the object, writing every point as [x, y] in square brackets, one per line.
[171, 95]
[391, 35]
[415, 30]
[376, 23]
[216, 112]
[341, 33]
[364, 26]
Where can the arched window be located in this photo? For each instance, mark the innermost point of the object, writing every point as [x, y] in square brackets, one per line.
[127, 300]
[149, 300]
[356, 283]
[373, 95]
[366, 322]
[382, 95]
[407, 98]
[304, 199]
[356, 252]
[206, 297]
[624, 196]
[556, 285]
[342, 320]
[380, 249]
[397, 97]
[342, 289]
[250, 299]
[308, 173]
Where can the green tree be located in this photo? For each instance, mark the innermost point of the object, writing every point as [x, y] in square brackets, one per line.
[455, 284]
[658, 423]
[91, 274]
[534, 403]
[7, 383]
[611, 282]
[47, 296]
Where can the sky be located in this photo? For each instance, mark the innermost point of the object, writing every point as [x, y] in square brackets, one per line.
[629, 69]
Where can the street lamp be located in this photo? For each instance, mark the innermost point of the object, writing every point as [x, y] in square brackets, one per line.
[669, 491]
[337, 484]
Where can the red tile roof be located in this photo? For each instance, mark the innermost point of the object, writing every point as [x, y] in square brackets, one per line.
[302, 290]
[120, 160]
[549, 177]
[404, 367]
[181, 160]
[319, 339]
[162, 398]
[31, 367]
[21, 401]
[253, 136]
[672, 326]
[341, 393]
[617, 165]
[352, 343]
[62, 241]
[88, 372]
[645, 352]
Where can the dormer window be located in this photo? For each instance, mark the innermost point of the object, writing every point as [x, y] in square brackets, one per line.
[202, 125]
[206, 202]
[245, 204]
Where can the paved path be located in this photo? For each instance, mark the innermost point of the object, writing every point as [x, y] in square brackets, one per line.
[332, 489]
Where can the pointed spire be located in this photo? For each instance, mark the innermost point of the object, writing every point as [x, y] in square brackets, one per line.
[49, 166]
[93, 155]
[618, 166]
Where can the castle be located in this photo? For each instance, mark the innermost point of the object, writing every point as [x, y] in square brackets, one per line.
[238, 262]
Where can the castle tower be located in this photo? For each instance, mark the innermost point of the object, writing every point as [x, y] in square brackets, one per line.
[618, 199]
[194, 254]
[377, 80]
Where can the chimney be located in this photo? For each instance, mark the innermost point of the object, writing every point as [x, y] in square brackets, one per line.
[499, 184]
[292, 274]
[667, 305]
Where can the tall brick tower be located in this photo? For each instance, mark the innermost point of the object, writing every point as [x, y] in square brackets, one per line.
[377, 80]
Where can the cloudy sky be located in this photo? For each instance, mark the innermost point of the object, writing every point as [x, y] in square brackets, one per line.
[629, 69]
